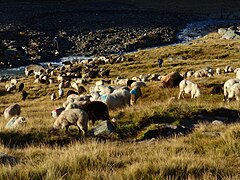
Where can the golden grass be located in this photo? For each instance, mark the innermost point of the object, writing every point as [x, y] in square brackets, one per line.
[210, 152]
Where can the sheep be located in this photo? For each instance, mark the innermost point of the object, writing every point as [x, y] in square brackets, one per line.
[79, 100]
[72, 105]
[135, 94]
[103, 89]
[16, 122]
[14, 81]
[189, 74]
[216, 90]
[118, 99]
[139, 84]
[155, 77]
[56, 112]
[121, 81]
[234, 91]
[60, 92]
[70, 92]
[218, 71]
[144, 78]
[12, 110]
[198, 74]
[228, 69]
[187, 87]
[237, 71]
[10, 87]
[100, 82]
[104, 73]
[76, 117]
[96, 110]
[24, 95]
[20, 87]
[53, 96]
[227, 86]
[61, 85]
[129, 82]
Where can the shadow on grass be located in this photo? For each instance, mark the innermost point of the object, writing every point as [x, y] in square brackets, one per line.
[13, 139]
[169, 125]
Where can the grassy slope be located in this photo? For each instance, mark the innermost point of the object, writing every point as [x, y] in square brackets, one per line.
[209, 152]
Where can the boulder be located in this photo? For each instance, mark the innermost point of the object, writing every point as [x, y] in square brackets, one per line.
[229, 33]
[13, 110]
[8, 160]
[171, 80]
[165, 131]
[104, 128]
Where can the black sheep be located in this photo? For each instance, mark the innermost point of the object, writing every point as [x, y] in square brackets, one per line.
[71, 92]
[24, 95]
[20, 87]
[96, 110]
[216, 90]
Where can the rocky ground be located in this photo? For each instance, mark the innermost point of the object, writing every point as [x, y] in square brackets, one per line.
[37, 32]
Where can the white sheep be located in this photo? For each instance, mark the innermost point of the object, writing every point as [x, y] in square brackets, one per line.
[139, 84]
[118, 99]
[189, 74]
[12, 110]
[100, 82]
[70, 117]
[234, 91]
[227, 86]
[237, 71]
[14, 81]
[135, 94]
[60, 92]
[187, 87]
[218, 71]
[103, 89]
[53, 96]
[16, 122]
[11, 87]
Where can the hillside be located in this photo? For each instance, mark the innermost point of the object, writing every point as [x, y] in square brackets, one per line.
[206, 151]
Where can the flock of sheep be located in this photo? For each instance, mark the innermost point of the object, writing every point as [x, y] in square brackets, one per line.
[231, 87]
[80, 108]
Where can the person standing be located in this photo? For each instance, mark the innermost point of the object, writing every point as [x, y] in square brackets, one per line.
[160, 62]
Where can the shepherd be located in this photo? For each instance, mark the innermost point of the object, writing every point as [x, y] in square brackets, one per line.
[160, 62]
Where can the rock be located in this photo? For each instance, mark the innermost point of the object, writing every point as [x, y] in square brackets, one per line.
[217, 122]
[105, 128]
[165, 131]
[229, 33]
[13, 110]
[8, 160]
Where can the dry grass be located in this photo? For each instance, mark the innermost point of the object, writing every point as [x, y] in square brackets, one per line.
[210, 152]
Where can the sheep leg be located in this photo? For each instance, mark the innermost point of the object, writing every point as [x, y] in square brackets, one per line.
[179, 95]
[81, 131]
[67, 127]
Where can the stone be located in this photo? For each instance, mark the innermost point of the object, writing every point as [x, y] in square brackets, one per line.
[217, 122]
[104, 128]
